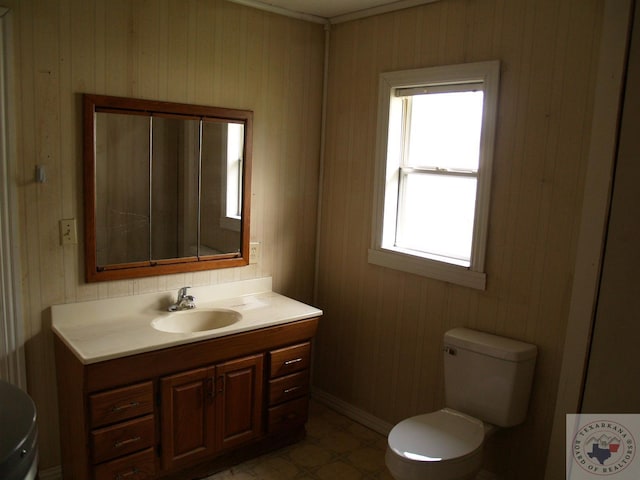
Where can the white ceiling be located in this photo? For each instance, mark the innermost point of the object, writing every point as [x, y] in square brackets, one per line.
[327, 8]
[334, 10]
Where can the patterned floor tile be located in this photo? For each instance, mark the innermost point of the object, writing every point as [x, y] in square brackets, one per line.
[336, 448]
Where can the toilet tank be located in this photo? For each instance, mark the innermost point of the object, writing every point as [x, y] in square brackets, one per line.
[487, 376]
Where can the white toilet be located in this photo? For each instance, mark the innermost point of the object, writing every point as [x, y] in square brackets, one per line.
[487, 385]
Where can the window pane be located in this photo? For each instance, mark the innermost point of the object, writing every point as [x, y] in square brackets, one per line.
[436, 214]
[445, 130]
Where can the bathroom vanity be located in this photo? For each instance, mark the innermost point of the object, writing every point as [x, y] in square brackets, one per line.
[139, 403]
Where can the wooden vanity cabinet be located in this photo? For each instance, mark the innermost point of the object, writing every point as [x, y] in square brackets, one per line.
[194, 407]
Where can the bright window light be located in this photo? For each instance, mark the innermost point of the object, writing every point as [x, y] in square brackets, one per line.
[445, 129]
[438, 174]
[436, 216]
[235, 147]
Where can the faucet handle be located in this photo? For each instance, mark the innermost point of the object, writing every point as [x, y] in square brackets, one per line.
[183, 292]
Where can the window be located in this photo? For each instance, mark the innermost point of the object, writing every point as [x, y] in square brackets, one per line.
[232, 199]
[235, 144]
[433, 173]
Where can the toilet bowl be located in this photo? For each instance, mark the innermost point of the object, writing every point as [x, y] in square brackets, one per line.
[443, 445]
[487, 385]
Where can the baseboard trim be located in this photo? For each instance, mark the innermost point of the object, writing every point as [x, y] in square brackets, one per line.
[53, 473]
[351, 411]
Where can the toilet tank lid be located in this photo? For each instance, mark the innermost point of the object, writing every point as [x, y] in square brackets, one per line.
[492, 345]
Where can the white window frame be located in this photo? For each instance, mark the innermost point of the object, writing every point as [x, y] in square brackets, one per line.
[388, 161]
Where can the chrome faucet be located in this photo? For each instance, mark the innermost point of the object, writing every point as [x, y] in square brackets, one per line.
[184, 301]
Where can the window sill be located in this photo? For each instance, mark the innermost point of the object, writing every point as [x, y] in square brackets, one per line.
[428, 268]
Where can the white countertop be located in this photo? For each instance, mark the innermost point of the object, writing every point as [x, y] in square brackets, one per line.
[105, 329]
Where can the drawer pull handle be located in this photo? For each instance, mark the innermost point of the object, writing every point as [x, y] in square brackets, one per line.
[292, 389]
[291, 362]
[119, 408]
[121, 476]
[122, 443]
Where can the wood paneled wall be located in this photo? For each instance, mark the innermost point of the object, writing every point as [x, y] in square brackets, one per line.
[207, 52]
[379, 343]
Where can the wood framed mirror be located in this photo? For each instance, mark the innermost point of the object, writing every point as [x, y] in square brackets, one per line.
[167, 187]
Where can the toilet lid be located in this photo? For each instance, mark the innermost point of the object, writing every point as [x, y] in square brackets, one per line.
[442, 435]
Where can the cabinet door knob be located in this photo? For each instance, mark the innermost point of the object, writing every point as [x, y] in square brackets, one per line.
[292, 389]
[291, 362]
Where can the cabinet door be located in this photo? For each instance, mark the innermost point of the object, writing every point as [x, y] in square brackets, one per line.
[188, 417]
[239, 400]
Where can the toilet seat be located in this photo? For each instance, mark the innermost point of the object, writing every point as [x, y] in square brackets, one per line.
[446, 444]
[437, 436]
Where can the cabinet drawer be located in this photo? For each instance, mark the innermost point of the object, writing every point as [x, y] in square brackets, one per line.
[287, 388]
[122, 438]
[138, 466]
[289, 359]
[121, 404]
[288, 415]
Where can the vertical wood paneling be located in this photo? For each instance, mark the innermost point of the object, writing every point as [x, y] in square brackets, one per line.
[377, 320]
[147, 20]
[382, 329]
[209, 52]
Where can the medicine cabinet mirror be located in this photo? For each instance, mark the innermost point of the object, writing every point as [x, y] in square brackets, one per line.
[166, 187]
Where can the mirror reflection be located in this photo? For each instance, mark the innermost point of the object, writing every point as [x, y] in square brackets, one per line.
[166, 187]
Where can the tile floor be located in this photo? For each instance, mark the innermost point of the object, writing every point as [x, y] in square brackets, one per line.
[336, 448]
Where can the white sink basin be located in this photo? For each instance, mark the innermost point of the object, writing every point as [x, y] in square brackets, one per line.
[198, 320]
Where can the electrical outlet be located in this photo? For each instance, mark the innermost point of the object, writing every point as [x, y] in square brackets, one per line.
[68, 233]
[254, 252]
